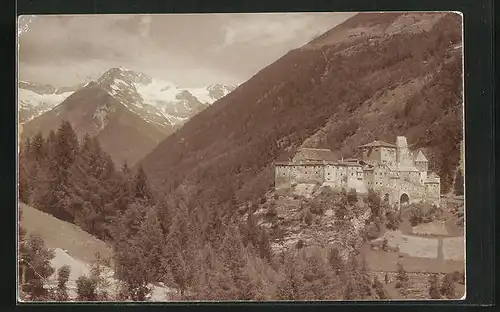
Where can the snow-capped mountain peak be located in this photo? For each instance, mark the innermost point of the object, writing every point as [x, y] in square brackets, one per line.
[157, 101]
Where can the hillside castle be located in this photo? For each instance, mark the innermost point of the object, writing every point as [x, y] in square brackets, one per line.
[396, 173]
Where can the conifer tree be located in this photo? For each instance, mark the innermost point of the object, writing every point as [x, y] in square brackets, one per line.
[37, 148]
[67, 146]
[51, 143]
[336, 261]
[235, 259]
[265, 251]
[35, 266]
[62, 278]
[289, 285]
[140, 186]
[150, 240]
[402, 279]
[86, 289]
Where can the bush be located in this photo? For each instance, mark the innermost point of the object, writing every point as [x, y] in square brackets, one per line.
[385, 245]
[308, 217]
[392, 221]
[434, 292]
[373, 231]
[402, 279]
[271, 212]
[300, 244]
[352, 196]
[448, 286]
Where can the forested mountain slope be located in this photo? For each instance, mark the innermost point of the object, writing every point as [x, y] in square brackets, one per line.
[373, 76]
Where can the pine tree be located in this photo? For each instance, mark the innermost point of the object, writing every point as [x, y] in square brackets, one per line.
[265, 251]
[150, 240]
[38, 148]
[235, 260]
[252, 230]
[51, 143]
[86, 289]
[289, 286]
[98, 277]
[25, 183]
[67, 145]
[26, 148]
[140, 186]
[374, 203]
[35, 266]
[336, 261]
[402, 279]
[62, 278]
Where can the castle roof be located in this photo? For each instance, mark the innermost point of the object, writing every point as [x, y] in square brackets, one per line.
[433, 175]
[314, 154]
[407, 168]
[317, 163]
[420, 157]
[378, 143]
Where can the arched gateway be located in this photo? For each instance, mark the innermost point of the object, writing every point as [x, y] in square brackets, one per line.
[404, 200]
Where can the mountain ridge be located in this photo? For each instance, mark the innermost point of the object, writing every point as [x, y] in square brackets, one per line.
[148, 96]
[124, 108]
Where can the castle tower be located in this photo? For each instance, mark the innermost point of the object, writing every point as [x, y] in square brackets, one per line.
[402, 152]
[421, 162]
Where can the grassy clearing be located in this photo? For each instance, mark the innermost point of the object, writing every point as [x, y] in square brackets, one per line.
[60, 234]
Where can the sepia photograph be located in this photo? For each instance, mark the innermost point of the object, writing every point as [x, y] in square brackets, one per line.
[241, 157]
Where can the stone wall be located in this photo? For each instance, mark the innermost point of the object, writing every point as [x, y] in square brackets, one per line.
[432, 190]
[307, 173]
[388, 156]
[282, 176]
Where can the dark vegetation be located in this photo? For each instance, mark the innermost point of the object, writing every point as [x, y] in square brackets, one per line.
[418, 213]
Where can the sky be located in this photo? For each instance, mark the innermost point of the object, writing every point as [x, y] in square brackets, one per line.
[191, 50]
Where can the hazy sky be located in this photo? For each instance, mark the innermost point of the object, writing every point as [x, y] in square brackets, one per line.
[188, 49]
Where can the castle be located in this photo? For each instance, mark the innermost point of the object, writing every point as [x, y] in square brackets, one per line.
[399, 175]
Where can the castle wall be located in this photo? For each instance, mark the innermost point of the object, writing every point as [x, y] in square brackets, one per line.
[417, 184]
[370, 155]
[334, 175]
[411, 176]
[422, 165]
[380, 177]
[433, 190]
[355, 179]
[307, 173]
[388, 156]
[369, 178]
[423, 177]
[282, 176]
